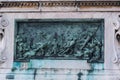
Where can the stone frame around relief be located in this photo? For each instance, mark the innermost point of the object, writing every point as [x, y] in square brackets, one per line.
[67, 22]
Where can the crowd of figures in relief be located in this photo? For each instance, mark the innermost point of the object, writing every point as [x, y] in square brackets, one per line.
[59, 41]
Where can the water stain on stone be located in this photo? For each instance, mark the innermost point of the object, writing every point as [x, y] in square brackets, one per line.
[79, 75]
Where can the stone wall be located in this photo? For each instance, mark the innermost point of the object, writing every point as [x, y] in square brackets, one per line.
[64, 69]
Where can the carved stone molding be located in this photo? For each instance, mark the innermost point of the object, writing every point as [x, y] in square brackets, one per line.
[80, 3]
[29, 4]
[117, 43]
[18, 4]
[3, 24]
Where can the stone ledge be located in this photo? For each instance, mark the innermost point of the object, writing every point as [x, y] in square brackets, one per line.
[56, 64]
[59, 6]
[62, 75]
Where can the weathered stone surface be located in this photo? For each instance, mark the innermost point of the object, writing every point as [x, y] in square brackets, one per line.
[62, 70]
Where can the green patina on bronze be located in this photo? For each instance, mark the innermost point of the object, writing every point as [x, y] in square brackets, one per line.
[79, 39]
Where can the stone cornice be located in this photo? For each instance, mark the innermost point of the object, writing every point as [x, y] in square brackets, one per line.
[19, 4]
[29, 4]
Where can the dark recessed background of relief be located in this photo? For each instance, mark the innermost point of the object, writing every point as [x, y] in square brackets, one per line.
[73, 39]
